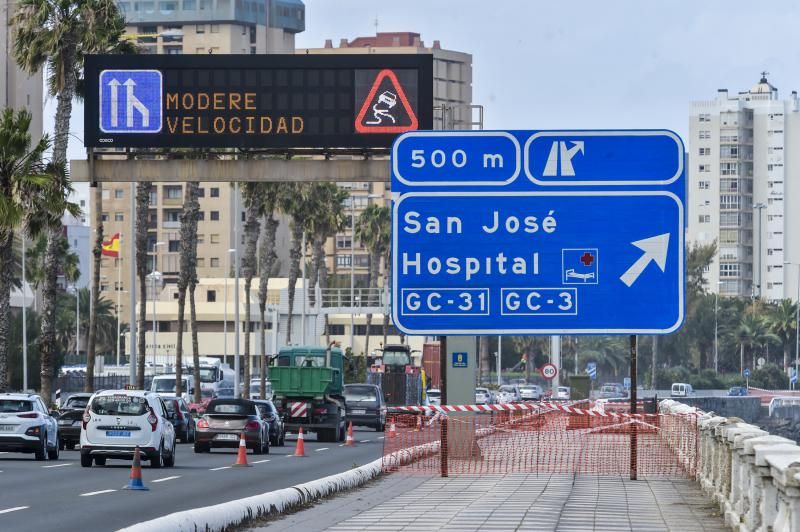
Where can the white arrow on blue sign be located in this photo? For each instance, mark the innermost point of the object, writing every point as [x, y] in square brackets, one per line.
[591, 369]
[131, 101]
[576, 232]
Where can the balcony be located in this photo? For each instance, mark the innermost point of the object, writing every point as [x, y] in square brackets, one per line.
[171, 224]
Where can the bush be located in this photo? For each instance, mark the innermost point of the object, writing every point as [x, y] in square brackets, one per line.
[770, 377]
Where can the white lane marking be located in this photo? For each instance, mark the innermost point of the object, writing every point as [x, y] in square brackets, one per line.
[341, 445]
[89, 494]
[289, 456]
[56, 465]
[260, 461]
[380, 437]
[322, 449]
[9, 510]
[165, 479]
[364, 441]
[220, 468]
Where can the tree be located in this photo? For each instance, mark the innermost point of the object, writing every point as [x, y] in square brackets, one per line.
[295, 202]
[142, 221]
[373, 230]
[23, 179]
[266, 262]
[188, 270]
[254, 206]
[782, 322]
[58, 34]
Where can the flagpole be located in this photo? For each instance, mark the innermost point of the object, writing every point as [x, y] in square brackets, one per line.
[119, 290]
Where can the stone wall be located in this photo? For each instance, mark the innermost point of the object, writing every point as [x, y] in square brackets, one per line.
[745, 408]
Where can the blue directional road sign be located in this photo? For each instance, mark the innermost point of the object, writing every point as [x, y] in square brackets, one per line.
[792, 376]
[591, 369]
[567, 246]
[626, 383]
[130, 101]
[746, 372]
[460, 360]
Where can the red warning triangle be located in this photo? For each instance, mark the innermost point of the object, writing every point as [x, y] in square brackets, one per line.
[386, 108]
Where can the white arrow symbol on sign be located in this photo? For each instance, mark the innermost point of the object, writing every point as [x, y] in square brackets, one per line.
[114, 100]
[132, 102]
[655, 249]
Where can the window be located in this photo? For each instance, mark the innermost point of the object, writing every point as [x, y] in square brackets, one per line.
[727, 201]
[174, 246]
[201, 192]
[174, 51]
[343, 242]
[343, 260]
[201, 239]
[214, 216]
[704, 168]
[705, 151]
[172, 216]
[729, 270]
[201, 262]
[244, 218]
[211, 296]
[214, 239]
[201, 216]
[704, 185]
[215, 262]
[106, 194]
[172, 192]
[200, 50]
[119, 193]
[705, 135]
[104, 287]
[153, 197]
[704, 117]
[729, 152]
[119, 217]
[200, 28]
[362, 261]
[83, 203]
[729, 168]
[728, 219]
[104, 216]
[214, 192]
[705, 218]
[214, 28]
[729, 236]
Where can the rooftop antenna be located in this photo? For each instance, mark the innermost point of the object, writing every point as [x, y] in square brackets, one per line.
[376, 25]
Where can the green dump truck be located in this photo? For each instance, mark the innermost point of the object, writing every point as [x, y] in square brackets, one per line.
[309, 390]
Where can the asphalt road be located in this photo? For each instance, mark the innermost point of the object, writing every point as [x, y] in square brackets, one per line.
[61, 495]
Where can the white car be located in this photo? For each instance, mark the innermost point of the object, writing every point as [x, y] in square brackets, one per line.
[255, 389]
[27, 427]
[117, 421]
[509, 394]
[563, 393]
[530, 392]
[434, 396]
[483, 396]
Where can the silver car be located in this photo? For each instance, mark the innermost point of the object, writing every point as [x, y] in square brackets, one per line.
[531, 392]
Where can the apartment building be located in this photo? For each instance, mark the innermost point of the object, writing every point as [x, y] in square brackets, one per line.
[191, 27]
[744, 190]
[453, 109]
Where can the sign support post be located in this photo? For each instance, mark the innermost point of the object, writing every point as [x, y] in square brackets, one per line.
[634, 435]
[555, 359]
[443, 395]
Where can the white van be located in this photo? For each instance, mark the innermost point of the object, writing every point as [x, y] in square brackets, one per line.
[681, 389]
[164, 385]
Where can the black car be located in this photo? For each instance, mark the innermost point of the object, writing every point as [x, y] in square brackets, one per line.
[277, 429]
[182, 419]
[70, 419]
[365, 406]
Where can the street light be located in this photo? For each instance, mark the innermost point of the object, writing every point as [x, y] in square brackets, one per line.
[24, 323]
[797, 321]
[118, 330]
[225, 297]
[353, 262]
[154, 275]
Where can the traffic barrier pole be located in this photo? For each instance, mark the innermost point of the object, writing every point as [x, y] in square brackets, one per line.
[135, 482]
[349, 441]
[300, 449]
[241, 457]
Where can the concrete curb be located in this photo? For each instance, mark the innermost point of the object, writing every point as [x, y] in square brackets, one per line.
[224, 515]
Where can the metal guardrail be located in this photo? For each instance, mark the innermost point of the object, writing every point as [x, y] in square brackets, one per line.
[357, 298]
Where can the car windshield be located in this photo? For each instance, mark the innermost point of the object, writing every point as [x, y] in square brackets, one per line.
[241, 409]
[119, 405]
[434, 394]
[15, 405]
[396, 358]
[481, 390]
[207, 393]
[208, 374]
[360, 393]
[507, 389]
[528, 388]
[310, 361]
[170, 405]
[77, 402]
[168, 385]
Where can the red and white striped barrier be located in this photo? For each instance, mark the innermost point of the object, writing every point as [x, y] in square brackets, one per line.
[542, 407]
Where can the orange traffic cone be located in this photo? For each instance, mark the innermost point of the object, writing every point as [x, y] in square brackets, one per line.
[135, 482]
[349, 441]
[300, 450]
[241, 458]
[392, 430]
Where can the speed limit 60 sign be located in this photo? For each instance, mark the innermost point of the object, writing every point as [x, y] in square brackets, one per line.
[549, 371]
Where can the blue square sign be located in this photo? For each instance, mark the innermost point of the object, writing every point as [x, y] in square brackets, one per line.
[460, 360]
[131, 101]
[579, 266]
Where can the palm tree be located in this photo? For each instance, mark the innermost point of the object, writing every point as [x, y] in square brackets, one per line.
[254, 205]
[266, 262]
[372, 230]
[142, 221]
[295, 202]
[22, 180]
[782, 323]
[188, 270]
[58, 34]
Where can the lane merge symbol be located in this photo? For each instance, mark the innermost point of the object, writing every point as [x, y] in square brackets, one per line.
[386, 108]
[131, 101]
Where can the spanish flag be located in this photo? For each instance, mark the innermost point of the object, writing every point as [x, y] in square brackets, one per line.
[111, 247]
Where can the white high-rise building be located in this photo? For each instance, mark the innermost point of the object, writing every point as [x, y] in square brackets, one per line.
[744, 190]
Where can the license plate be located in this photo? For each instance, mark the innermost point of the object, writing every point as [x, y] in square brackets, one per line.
[65, 422]
[8, 428]
[118, 433]
[358, 412]
[227, 437]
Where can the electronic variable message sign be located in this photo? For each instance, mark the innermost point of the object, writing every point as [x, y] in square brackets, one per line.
[256, 101]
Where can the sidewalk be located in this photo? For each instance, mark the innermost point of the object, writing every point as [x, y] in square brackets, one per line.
[512, 502]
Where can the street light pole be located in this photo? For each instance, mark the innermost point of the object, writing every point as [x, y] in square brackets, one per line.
[225, 297]
[760, 207]
[24, 323]
[156, 245]
[237, 219]
[77, 322]
[352, 272]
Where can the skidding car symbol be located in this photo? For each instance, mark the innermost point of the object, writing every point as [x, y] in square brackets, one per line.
[571, 273]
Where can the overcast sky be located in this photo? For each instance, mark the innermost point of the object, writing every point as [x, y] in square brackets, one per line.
[584, 63]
